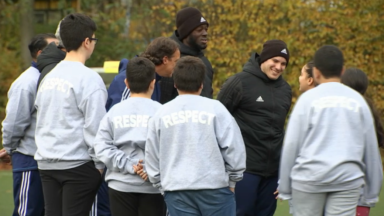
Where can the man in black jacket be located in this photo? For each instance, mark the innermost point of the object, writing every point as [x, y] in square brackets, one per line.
[259, 99]
[192, 37]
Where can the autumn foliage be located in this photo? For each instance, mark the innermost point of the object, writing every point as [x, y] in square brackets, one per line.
[236, 29]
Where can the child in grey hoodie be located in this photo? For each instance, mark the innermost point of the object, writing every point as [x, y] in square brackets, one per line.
[120, 144]
[70, 103]
[19, 134]
[330, 149]
[195, 152]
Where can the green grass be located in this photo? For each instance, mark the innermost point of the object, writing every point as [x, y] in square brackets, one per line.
[6, 194]
[6, 200]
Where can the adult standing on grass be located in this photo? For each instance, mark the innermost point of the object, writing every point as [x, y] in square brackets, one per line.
[259, 99]
[19, 134]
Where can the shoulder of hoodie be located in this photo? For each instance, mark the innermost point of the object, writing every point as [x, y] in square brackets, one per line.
[119, 108]
[209, 104]
[89, 77]
[318, 92]
[27, 80]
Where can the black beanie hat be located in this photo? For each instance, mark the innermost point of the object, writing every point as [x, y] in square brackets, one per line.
[274, 48]
[187, 19]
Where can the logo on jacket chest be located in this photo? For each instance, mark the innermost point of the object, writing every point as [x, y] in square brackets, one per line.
[259, 99]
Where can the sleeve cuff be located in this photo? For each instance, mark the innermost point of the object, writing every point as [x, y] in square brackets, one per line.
[285, 196]
[368, 202]
[158, 186]
[99, 165]
[8, 150]
[232, 184]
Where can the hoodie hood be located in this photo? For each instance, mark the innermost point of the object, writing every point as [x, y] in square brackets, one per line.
[123, 65]
[50, 55]
[253, 67]
[184, 49]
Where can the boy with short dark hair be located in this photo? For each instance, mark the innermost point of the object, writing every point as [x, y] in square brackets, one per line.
[120, 144]
[19, 134]
[70, 104]
[330, 148]
[195, 152]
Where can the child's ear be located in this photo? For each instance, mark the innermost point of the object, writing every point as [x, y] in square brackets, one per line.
[342, 72]
[316, 73]
[311, 82]
[152, 84]
[39, 52]
[126, 82]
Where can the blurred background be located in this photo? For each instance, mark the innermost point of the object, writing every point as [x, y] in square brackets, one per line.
[236, 28]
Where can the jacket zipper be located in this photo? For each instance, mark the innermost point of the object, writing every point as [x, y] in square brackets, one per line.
[270, 141]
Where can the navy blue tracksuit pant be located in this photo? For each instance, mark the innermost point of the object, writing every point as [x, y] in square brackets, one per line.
[27, 188]
[254, 195]
[101, 205]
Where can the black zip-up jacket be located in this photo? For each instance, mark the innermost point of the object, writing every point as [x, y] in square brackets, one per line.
[260, 106]
[48, 59]
[169, 92]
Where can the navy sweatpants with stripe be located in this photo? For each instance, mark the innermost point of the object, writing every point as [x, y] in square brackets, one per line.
[27, 188]
[101, 205]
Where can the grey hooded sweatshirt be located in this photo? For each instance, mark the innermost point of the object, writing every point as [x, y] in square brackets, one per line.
[70, 104]
[194, 143]
[120, 143]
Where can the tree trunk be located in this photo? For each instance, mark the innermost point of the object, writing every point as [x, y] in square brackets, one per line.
[26, 30]
[128, 5]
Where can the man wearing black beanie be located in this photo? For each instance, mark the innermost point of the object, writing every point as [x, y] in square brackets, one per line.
[259, 99]
[192, 37]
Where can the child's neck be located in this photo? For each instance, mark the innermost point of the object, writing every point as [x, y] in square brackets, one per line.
[332, 79]
[75, 56]
[188, 93]
[141, 95]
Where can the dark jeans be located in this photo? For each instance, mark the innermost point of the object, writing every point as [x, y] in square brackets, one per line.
[215, 202]
[254, 196]
[70, 192]
[136, 204]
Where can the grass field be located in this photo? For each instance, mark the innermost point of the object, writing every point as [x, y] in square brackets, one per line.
[6, 200]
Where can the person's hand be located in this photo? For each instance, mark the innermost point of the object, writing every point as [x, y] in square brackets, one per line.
[232, 189]
[4, 156]
[139, 170]
[136, 167]
[142, 174]
[277, 195]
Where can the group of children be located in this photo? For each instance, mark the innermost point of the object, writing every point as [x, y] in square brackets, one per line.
[187, 155]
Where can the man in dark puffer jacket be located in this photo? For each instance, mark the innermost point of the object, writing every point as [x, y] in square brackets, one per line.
[259, 99]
